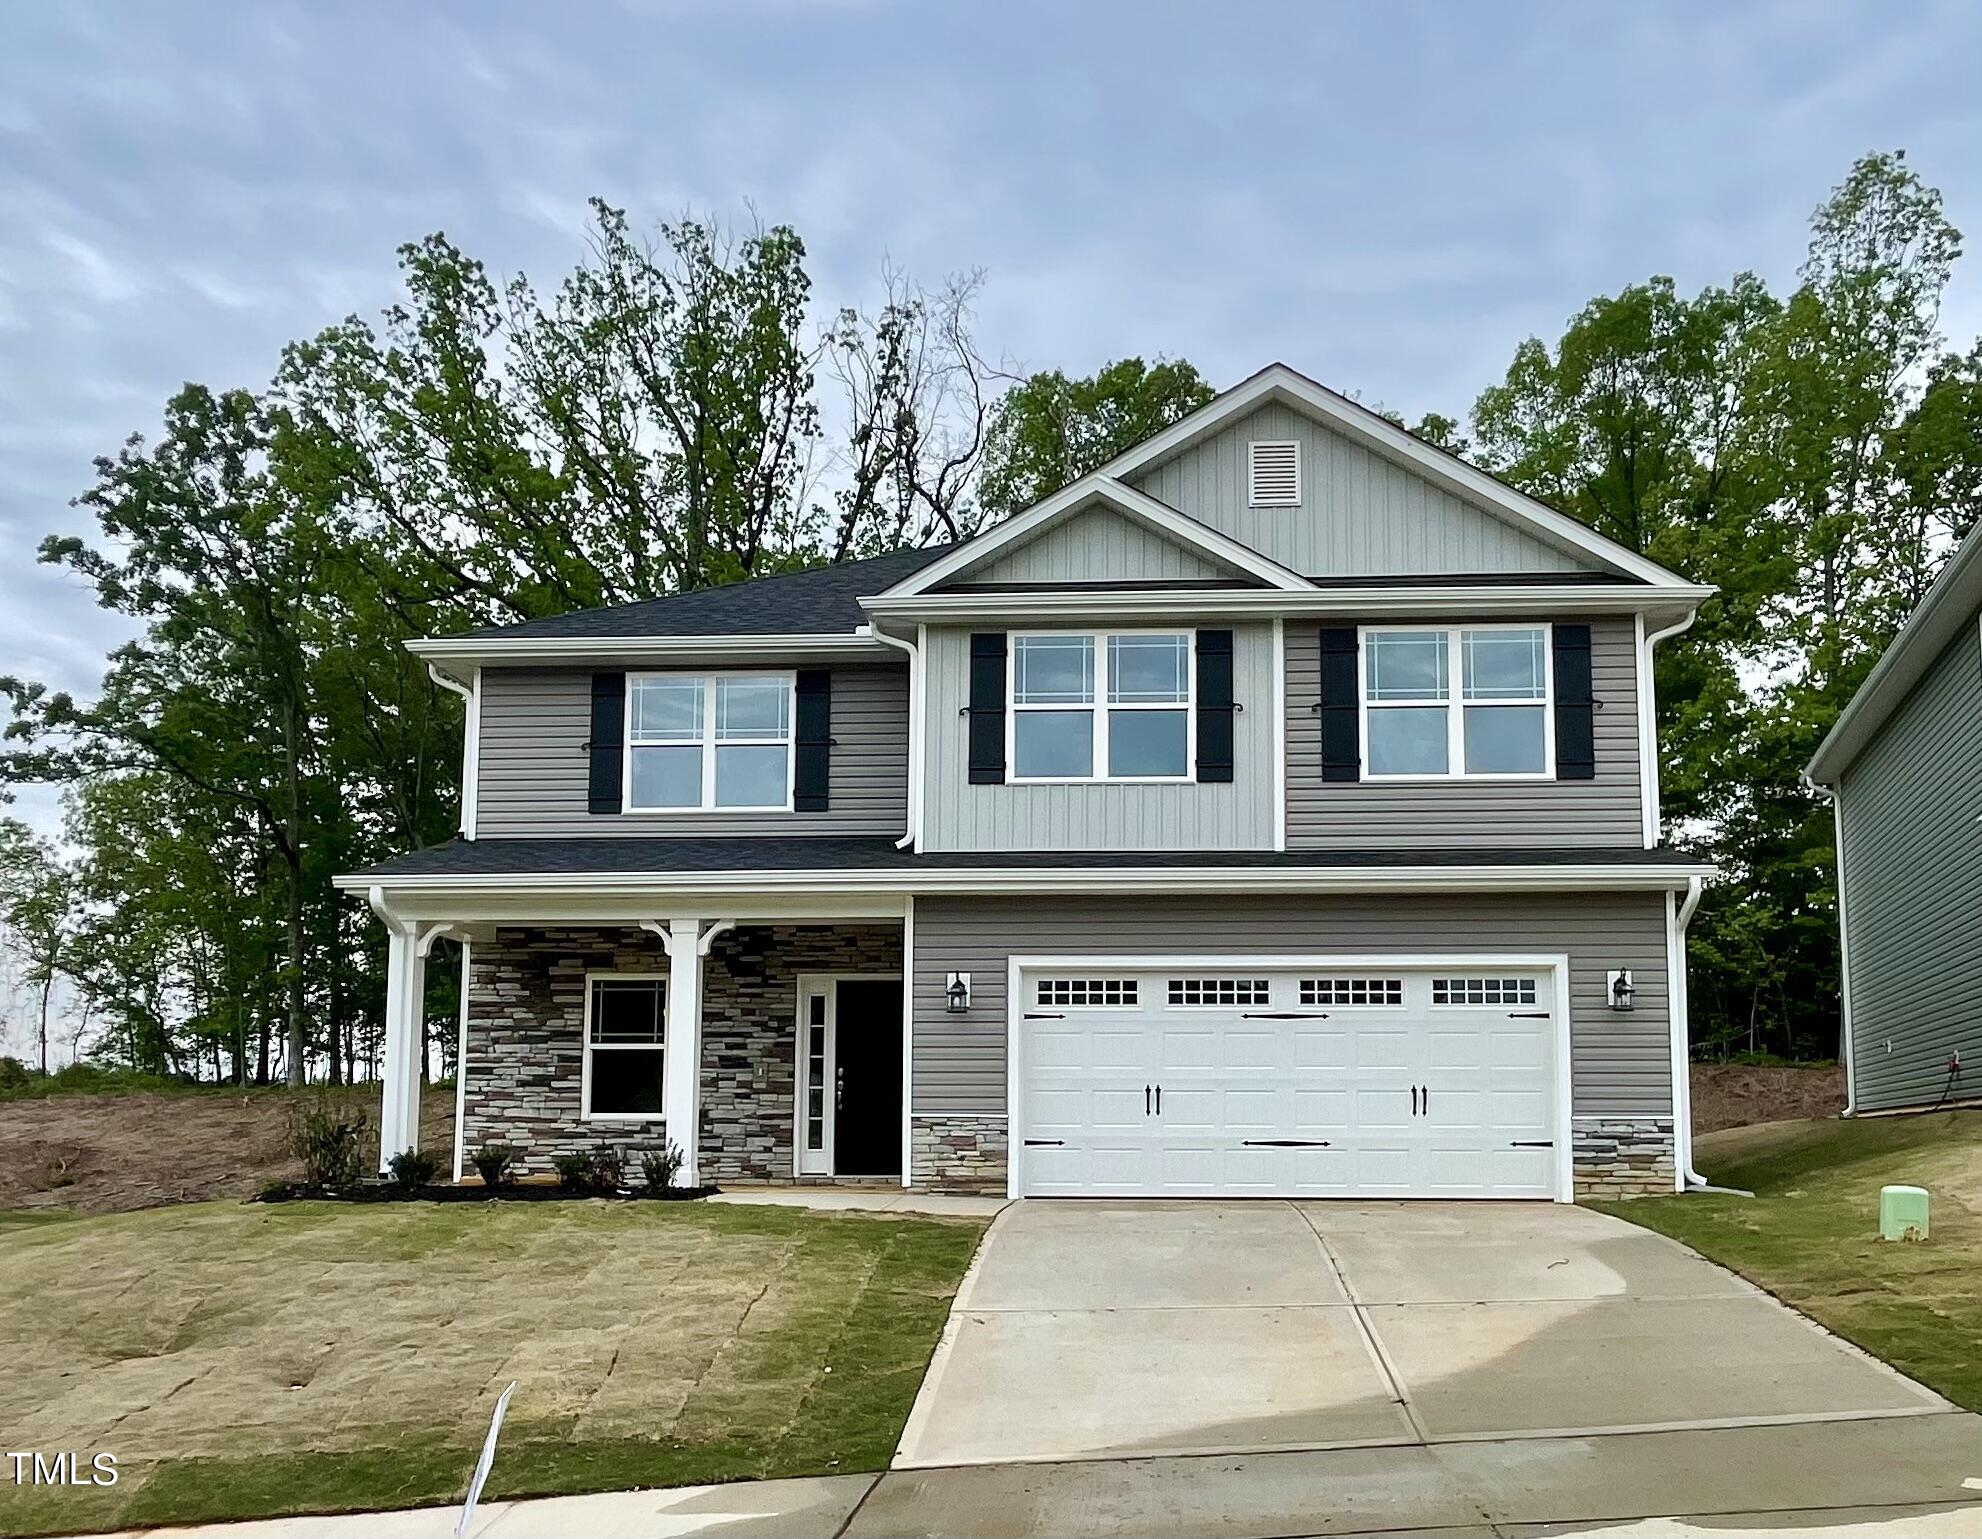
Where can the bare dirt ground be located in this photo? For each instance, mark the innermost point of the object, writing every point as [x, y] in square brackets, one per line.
[126, 1150]
[1731, 1095]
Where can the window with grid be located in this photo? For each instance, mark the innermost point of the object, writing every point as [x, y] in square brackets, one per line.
[1483, 991]
[1090, 992]
[1101, 707]
[1219, 991]
[1499, 723]
[699, 742]
[1352, 991]
[625, 1042]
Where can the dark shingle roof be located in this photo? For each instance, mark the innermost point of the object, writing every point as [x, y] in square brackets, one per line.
[825, 600]
[637, 856]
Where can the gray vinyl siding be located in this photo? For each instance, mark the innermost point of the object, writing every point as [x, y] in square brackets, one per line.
[1604, 812]
[1620, 1062]
[1361, 515]
[533, 772]
[1910, 805]
[960, 816]
[1095, 545]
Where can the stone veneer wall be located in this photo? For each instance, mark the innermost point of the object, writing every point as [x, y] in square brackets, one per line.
[526, 1012]
[1623, 1157]
[958, 1153]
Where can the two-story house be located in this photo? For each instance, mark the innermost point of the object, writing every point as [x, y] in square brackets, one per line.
[1273, 811]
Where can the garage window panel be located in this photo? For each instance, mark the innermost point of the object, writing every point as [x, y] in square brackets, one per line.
[1214, 993]
[1483, 991]
[1088, 993]
[1383, 992]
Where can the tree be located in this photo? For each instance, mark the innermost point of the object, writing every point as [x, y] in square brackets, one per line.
[38, 911]
[1048, 430]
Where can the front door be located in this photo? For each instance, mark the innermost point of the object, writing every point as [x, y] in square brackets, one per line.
[850, 1076]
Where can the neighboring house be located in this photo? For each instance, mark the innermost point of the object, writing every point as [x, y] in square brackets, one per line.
[1272, 812]
[1903, 768]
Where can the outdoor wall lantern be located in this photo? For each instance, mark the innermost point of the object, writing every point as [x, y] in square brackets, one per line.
[957, 994]
[1620, 989]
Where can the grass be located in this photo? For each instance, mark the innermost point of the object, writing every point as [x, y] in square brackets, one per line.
[1810, 1233]
[251, 1361]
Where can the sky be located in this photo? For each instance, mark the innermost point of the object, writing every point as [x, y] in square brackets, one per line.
[1387, 197]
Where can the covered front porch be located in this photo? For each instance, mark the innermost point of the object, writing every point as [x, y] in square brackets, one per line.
[766, 1041]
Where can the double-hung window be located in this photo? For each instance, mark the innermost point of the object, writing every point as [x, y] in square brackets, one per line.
[708, 742]
[1473, 702]
[625, 1041]
[1102, 706]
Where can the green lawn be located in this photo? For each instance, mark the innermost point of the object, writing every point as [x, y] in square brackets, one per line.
[246, 1361]
[1810, 1233]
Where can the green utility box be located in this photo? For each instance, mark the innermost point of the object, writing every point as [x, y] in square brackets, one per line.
[1902, 1213]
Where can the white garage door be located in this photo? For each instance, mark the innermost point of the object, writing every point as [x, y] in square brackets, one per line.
[1289, 1082]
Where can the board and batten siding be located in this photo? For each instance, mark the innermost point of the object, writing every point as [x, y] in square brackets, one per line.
[533, 770]
[1606, 812]
[1360, 515]
[1094, 544]
[1620, 1061]
[1237, 815]
[1910, 805]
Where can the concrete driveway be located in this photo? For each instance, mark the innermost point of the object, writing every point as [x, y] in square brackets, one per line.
[1098, 1329]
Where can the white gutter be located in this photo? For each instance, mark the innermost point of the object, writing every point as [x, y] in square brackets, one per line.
[913, 833]
[1843, 944]
[471, 740]
[518, 651]
[1648, 723]
[1679, 1008]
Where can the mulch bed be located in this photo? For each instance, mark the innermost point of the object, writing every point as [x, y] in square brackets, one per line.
[386, 1191]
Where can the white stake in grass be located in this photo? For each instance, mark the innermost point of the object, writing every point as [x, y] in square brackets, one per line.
[482, 1464]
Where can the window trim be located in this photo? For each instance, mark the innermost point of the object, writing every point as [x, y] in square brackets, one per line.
[1100, 708]
[1454, 705]
[585, 1112]
[707, 743]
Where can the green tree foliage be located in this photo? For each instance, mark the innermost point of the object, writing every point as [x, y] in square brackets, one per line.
[38, 916]
[1048, 430]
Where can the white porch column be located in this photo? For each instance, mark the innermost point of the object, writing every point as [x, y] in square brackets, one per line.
[681, 1061]
[405, 988]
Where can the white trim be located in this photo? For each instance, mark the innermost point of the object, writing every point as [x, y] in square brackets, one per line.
[1557, 963]
[1279, 734]
[519, 651]
[908, 1044]
[1374, 602]
[1678, 914]
[461, 1067]
[912, 834]
[471, 743]
[1253, 447]
[1846, 1051]
[664, 1047]
[711, 685]
[1140, 506]
[1099, 708]
[1648, 724]
[1455, 704]
[1278, 381]
[828, 984]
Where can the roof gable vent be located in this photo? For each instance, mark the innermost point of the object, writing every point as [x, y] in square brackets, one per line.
[1273, 474]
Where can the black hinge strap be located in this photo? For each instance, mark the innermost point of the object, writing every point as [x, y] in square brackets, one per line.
[1045, 1143]
[1284, 1015]
[1287, 1143]
[1527, 1015]
[1044, 1015]
[1532, 1143]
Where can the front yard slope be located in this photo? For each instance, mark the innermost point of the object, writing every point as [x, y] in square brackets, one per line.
[1810, 1233]
[247, 1361]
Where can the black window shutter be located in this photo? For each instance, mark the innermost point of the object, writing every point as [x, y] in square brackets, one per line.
[987, 708]
[813, 709]
[1341, 732]
[1214, 706]
[1575, 705]
[608, 738]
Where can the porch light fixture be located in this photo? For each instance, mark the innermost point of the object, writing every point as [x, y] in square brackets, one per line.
[1620, 989]
[957, 994]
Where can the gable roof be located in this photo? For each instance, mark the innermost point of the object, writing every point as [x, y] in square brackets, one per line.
[1948, 608]
[1440, 466]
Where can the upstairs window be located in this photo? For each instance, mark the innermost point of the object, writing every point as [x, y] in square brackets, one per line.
[1273, 474]
[708, 742]
[1101, 706]
[1472, 702]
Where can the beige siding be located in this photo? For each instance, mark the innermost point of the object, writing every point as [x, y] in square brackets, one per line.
[1360, 516]
[1600, 813]
[1620, 1062]
[1095, 545]
[960, 816]
[533, 770]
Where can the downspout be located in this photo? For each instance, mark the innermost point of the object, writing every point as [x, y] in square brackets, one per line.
[915, 686]
[1648, 724]
[471, 731]
[1682, 1079]
[1829, 793]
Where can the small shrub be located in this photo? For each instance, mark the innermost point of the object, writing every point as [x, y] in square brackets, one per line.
[325, 1135]
[589, 1170]
[496, 1164]
[14, 1074]
[413, 1168]
[608, 1171]
[659, 1167]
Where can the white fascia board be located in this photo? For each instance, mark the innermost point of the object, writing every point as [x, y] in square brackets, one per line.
[455, 654]
[1278, 382]
[1126, 500]
[760, 892]
[1375, 602]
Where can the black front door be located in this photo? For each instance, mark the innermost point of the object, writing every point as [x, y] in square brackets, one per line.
[867, 1122]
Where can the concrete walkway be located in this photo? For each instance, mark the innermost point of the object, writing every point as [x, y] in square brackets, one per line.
[1093, 1330]
[862, 1199]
